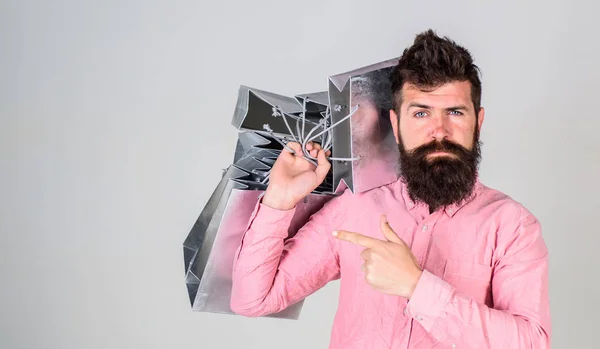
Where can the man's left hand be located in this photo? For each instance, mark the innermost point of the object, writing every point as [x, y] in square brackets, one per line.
[389, 265]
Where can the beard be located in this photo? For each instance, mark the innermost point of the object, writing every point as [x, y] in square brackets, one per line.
[442, 180]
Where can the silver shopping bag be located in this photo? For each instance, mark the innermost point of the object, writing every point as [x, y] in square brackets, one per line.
[210, 268]
[210, 246]
[351, 119]
[270, 113]
[367, 136]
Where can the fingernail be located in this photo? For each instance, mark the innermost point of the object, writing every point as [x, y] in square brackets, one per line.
[334, 233]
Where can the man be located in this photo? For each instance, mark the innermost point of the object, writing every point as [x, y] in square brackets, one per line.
[436, 259]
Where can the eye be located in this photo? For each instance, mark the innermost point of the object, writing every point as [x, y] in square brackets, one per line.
[420, 114]
[455, 112]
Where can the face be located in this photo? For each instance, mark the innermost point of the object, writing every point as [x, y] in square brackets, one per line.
[438, 137]
[444, 113]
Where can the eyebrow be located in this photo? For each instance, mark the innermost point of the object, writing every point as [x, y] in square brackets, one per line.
[458, 107]
[418, 105]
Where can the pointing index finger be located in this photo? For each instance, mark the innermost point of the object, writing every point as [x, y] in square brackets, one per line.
[356, 238]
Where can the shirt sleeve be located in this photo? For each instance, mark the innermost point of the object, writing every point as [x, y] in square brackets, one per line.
[271, 272]
[520, 317]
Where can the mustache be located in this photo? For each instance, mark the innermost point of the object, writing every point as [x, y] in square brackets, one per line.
[443, 145]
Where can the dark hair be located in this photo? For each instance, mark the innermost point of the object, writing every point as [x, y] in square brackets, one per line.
[432, 61]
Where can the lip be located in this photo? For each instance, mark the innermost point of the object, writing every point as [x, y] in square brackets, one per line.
[439, 153]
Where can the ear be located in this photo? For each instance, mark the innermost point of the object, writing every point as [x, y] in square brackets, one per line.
[394, 121]
[480, 117]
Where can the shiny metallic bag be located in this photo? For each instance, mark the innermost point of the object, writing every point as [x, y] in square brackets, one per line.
[351, 119]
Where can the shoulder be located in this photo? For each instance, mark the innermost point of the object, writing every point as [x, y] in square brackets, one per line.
[514, 224]
[503, 206]
[517, 231]
[371, 198]
[348, 204]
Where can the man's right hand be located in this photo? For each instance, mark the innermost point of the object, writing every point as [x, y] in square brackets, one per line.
[293, 177]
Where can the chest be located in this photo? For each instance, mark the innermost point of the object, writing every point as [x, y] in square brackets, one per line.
[459, 250]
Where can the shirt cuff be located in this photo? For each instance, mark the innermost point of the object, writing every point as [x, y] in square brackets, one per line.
[429, 299]
[271, 221]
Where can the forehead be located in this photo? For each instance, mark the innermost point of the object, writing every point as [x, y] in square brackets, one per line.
[453, 93]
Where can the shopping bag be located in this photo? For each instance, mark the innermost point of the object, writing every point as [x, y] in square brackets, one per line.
[350, 118]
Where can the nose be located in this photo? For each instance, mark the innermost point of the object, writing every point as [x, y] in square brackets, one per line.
[439, 127]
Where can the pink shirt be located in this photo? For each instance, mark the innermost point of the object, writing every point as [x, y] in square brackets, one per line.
[484, 285]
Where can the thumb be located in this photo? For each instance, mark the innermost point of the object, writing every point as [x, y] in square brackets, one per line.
[387, 231]
[323, 166]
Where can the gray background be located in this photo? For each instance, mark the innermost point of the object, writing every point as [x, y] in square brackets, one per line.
[115, 125]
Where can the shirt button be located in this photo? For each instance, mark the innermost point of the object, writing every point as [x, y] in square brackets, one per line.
[424, 227]
[419, 318]
[453, 345]
[405, 311]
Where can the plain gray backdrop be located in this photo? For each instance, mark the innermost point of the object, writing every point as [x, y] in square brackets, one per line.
[116, 123]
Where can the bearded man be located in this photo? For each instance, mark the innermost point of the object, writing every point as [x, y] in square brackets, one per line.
[434, 260]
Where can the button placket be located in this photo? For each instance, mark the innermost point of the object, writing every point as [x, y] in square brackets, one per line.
[422, 238]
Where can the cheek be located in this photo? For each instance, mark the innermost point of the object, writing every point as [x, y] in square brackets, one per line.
[463, 133]
[414, 134]
[407, 136]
